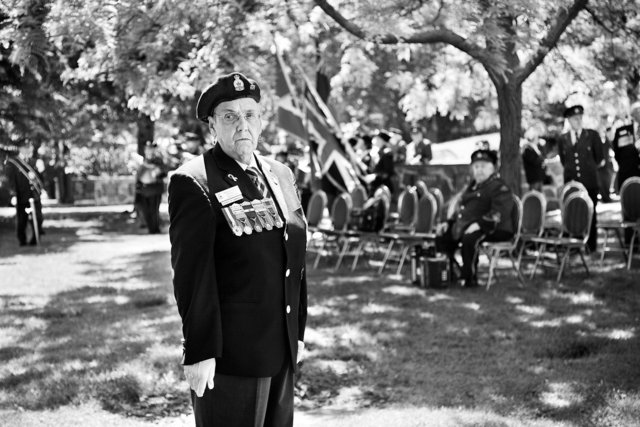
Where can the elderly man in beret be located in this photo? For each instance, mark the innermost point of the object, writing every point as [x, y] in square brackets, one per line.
[238, 241]
[483, 213]
[581, 155]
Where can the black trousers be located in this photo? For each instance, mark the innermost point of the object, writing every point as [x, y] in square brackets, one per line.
[592, 243]
[150, 206]
[246, 401]
[468, 244]
[22, 220]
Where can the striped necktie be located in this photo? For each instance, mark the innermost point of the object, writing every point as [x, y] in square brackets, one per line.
[257, 181]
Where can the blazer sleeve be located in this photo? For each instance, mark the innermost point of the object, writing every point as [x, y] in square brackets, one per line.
[597, 147]
[501, 206]
[192, 232]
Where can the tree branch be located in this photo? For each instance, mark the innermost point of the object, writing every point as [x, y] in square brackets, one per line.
[441, 35]
[549, 41]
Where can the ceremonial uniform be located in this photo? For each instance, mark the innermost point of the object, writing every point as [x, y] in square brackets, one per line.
[238, 256]
[24, 184]
[581, 155]
[534, 168]
[626, 152]
[489, 204]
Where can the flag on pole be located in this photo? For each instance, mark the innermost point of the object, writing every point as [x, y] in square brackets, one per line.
[310, 120]
[290, 117]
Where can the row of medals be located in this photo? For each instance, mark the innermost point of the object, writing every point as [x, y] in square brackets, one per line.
[256, 215]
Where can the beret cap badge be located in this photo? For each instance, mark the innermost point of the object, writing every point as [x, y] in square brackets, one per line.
[237, 83]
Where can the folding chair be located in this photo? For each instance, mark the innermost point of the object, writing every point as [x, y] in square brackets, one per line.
[421, 188]
[534, 208]
[423, 236]
[407, 217]
[315, 214]
[340, 212]
[577, 211]
[630, 207]
[493, 250]
[437, 193]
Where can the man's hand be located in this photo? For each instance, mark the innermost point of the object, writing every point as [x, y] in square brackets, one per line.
[442, 228]
[300, 352]
[473, 227]
[200, 375]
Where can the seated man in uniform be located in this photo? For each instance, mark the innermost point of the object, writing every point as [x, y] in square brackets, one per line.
[483, 214]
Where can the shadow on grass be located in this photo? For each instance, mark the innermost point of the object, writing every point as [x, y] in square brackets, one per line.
[540, 351]
[116, 341]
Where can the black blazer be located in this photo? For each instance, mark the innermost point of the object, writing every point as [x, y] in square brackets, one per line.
[242, 299]
[581, 161]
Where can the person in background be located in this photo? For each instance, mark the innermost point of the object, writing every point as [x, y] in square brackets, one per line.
[483, 213]
[150, 186]
[24, 186]
[238, 248]
[419, 149]
[192, 147]
[605, 174]
[533, 160]
[581, 155]
[383, 168]
[626, 147]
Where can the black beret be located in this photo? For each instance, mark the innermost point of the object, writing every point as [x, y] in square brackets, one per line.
[226, 88]
[574, 110]
[486, 155]
[384, 135]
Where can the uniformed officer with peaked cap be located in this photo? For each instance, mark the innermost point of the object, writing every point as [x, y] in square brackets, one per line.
[483, 214]
[581, 155]
[238, 241]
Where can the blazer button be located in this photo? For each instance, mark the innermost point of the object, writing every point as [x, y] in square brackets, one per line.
[287, 273]
[286, 236]
[288, 309]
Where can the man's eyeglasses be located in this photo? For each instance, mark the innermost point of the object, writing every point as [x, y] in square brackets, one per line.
[232, 117]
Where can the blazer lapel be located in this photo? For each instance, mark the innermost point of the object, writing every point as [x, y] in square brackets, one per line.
[233, 174]
[274, 185]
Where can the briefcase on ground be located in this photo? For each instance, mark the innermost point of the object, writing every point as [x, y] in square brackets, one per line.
[435, 272]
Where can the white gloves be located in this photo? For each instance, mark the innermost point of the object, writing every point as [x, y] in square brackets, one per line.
[200, 375]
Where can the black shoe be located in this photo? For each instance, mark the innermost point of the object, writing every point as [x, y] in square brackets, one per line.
[471, 283]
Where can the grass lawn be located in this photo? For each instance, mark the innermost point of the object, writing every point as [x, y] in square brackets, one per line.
[89, 335]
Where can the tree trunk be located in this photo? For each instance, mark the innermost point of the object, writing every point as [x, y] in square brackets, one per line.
[145, 131]
[510, 111]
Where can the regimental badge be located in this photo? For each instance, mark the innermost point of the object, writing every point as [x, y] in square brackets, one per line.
[252, 86]
[237, 83]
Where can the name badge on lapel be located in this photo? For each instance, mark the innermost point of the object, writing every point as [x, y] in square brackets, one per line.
[228, 196]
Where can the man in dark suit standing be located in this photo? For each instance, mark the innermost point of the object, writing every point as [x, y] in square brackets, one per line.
[581, 155]
[25, 188]
[238, 243]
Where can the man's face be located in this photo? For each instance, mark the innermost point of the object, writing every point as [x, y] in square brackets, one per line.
[481, 170]
[237, 126]
[416, 136]
[575, 122]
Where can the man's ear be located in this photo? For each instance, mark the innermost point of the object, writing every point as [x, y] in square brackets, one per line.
[212, 128]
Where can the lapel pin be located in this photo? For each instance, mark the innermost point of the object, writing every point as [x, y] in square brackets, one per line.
[232, 177]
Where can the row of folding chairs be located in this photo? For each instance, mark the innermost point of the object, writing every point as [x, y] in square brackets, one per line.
[412, 224]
